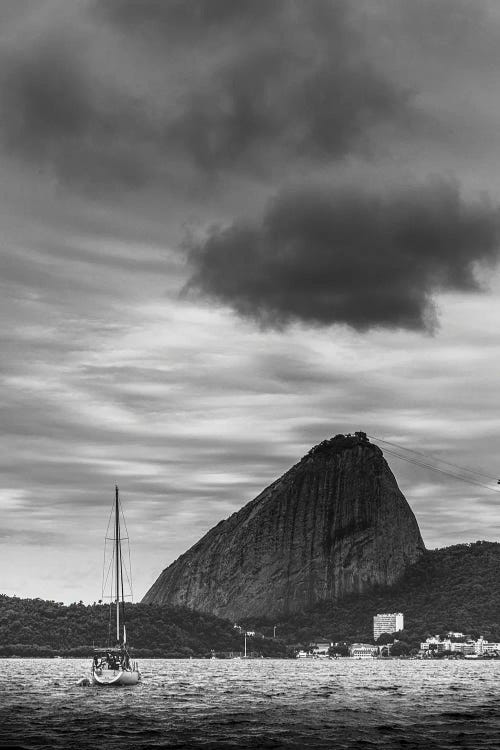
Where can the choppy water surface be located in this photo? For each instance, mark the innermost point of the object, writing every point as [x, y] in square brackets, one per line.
[263, 703]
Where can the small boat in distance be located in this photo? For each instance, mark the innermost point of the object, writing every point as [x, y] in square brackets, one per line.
[112, 665]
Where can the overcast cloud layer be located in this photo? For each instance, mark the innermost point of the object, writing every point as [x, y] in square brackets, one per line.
[228, 231]
[219, 86]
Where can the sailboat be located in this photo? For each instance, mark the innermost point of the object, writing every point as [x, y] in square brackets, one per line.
[112, 665]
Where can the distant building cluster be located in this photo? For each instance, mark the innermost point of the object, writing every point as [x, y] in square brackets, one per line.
[466, 646]
[452, 645]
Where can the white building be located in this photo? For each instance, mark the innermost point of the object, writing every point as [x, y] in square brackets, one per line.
[430, 644]
[362, 650]
[483, 647]
[467, 649]
[437, 645]
[387, 623]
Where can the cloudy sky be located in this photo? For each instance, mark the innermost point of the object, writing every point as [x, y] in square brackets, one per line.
[230, 230]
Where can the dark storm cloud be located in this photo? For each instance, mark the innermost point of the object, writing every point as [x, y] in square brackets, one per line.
[217, 86]
[331, 256]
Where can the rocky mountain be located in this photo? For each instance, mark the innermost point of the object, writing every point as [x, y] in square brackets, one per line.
[336, 523]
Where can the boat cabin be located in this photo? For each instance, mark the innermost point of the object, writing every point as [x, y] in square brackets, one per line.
[116, 658]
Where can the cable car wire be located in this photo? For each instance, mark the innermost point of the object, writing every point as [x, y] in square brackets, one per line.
[425, 465]
[434, 459]
[418, 460]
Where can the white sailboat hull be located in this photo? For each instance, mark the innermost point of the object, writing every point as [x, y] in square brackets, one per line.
[117, 677]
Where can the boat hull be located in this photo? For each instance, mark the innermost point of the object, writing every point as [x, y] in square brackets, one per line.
[110, 677]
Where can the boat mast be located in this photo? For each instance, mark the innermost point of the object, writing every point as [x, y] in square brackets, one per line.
[117, 561]
[122, 591]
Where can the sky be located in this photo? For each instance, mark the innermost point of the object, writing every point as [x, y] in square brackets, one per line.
[228, 231]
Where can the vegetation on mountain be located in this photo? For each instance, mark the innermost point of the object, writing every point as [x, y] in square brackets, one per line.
[451, 589]
[35, 627]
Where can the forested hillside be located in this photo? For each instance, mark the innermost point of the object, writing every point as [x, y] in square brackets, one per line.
[34, 627]
[455, 588]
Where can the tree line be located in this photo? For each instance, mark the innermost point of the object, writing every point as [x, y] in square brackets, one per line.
[452, 589]
[36, 627]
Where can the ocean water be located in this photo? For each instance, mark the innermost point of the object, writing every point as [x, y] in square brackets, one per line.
[262, 703]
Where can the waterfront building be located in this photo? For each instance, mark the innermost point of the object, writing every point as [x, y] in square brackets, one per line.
[433, 644]
[483, 647]
[468, 648]
[387, 623]
[438, 646]
[362, 650]
[464, 648]
[480, 643]
[320, 648]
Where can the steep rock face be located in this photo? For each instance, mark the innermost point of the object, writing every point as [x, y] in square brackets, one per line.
[334, 524]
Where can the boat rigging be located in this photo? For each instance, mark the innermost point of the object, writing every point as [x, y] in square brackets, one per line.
[112, 665]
